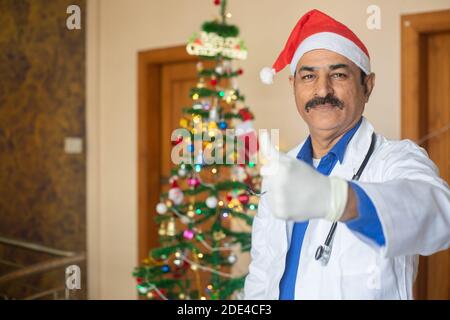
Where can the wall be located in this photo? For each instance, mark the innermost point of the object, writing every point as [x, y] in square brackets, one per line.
[124, 27]
[42, 101]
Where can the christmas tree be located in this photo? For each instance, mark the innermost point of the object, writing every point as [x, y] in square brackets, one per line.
[212, 183]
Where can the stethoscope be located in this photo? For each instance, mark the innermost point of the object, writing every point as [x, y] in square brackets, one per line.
[323, 252]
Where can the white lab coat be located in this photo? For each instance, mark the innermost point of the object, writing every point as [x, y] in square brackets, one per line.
[413, 204]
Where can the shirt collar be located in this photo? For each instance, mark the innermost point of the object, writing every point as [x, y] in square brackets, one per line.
[338, 149]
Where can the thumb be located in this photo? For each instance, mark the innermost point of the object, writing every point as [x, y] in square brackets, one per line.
[267, 151]
[269, 155]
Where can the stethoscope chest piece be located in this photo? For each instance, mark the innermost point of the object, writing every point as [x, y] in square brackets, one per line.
[323, 253]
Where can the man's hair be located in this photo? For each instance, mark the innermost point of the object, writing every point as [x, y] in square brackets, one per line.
[363, 76]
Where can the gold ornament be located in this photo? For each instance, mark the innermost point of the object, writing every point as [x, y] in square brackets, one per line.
[162, 229]
[190, 214]
[184, 123]
[170, 231]
[218, 235]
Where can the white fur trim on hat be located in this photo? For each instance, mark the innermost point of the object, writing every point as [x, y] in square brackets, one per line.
[333, 42]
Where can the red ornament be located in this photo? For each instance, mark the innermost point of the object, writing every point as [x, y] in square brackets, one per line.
[245, 114]
[174, 183]
[217, 2]
[177, 141]
[243, 198]
[139, 280]
[229, 197]
[240, 72]
[213, 82]
[193, 182]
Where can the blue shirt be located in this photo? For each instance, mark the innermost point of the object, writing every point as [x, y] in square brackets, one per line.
[367, 223]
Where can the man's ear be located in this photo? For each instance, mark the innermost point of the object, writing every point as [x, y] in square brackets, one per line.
[292, 81]
[369, 84]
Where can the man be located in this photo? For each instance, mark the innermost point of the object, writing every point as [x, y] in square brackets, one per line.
[398, 209]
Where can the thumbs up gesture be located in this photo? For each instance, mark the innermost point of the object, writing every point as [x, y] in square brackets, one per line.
[296, 191]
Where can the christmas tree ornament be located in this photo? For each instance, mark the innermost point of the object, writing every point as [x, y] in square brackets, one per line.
[213, 81]
[184, 123]
[178, 262]
[161, 208]
[142, 289]
[201, 83]
[212, 125]
[185, 220]
[162, 229]
[211, 202]
[231, 259]
[188, 234]
[243, 198]
[150, 295]
[190, 214]
[223, 124]
[165, 268]
[181, 296]
[175, 193]
[218, 235]
[171, 231]
[193, 182]
[182, 172]
[219, 70]
[169, 204]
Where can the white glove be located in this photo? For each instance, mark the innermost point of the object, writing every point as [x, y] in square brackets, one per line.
[296, 191]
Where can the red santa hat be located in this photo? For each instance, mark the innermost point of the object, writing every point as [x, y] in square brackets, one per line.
[316, 30]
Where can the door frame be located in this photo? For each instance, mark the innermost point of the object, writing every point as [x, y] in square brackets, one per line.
[149, 138]
[414, 29]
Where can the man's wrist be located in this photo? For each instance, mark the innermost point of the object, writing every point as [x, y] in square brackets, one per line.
[338, 193]
[351, 207]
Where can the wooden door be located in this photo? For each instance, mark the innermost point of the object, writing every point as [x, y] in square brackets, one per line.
[164, 77]
[176, 81]
[426, 118]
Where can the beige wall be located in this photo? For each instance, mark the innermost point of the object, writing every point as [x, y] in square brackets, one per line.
[118, 29]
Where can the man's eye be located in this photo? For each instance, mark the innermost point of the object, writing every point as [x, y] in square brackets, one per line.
[307, 77]
[339, 75]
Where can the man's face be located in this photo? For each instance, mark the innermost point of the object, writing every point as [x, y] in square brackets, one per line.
[328, 91]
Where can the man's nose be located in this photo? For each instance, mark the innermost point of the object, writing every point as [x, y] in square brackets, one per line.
[323, 87]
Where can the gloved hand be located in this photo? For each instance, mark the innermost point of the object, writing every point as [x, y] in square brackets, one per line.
[296, 191]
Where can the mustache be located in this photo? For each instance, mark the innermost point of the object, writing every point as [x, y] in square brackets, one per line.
[329, 98]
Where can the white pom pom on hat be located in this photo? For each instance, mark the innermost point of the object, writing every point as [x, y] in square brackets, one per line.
[266, 75]
[316, 30]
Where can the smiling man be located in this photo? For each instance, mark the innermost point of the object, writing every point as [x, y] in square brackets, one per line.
[346, 212]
